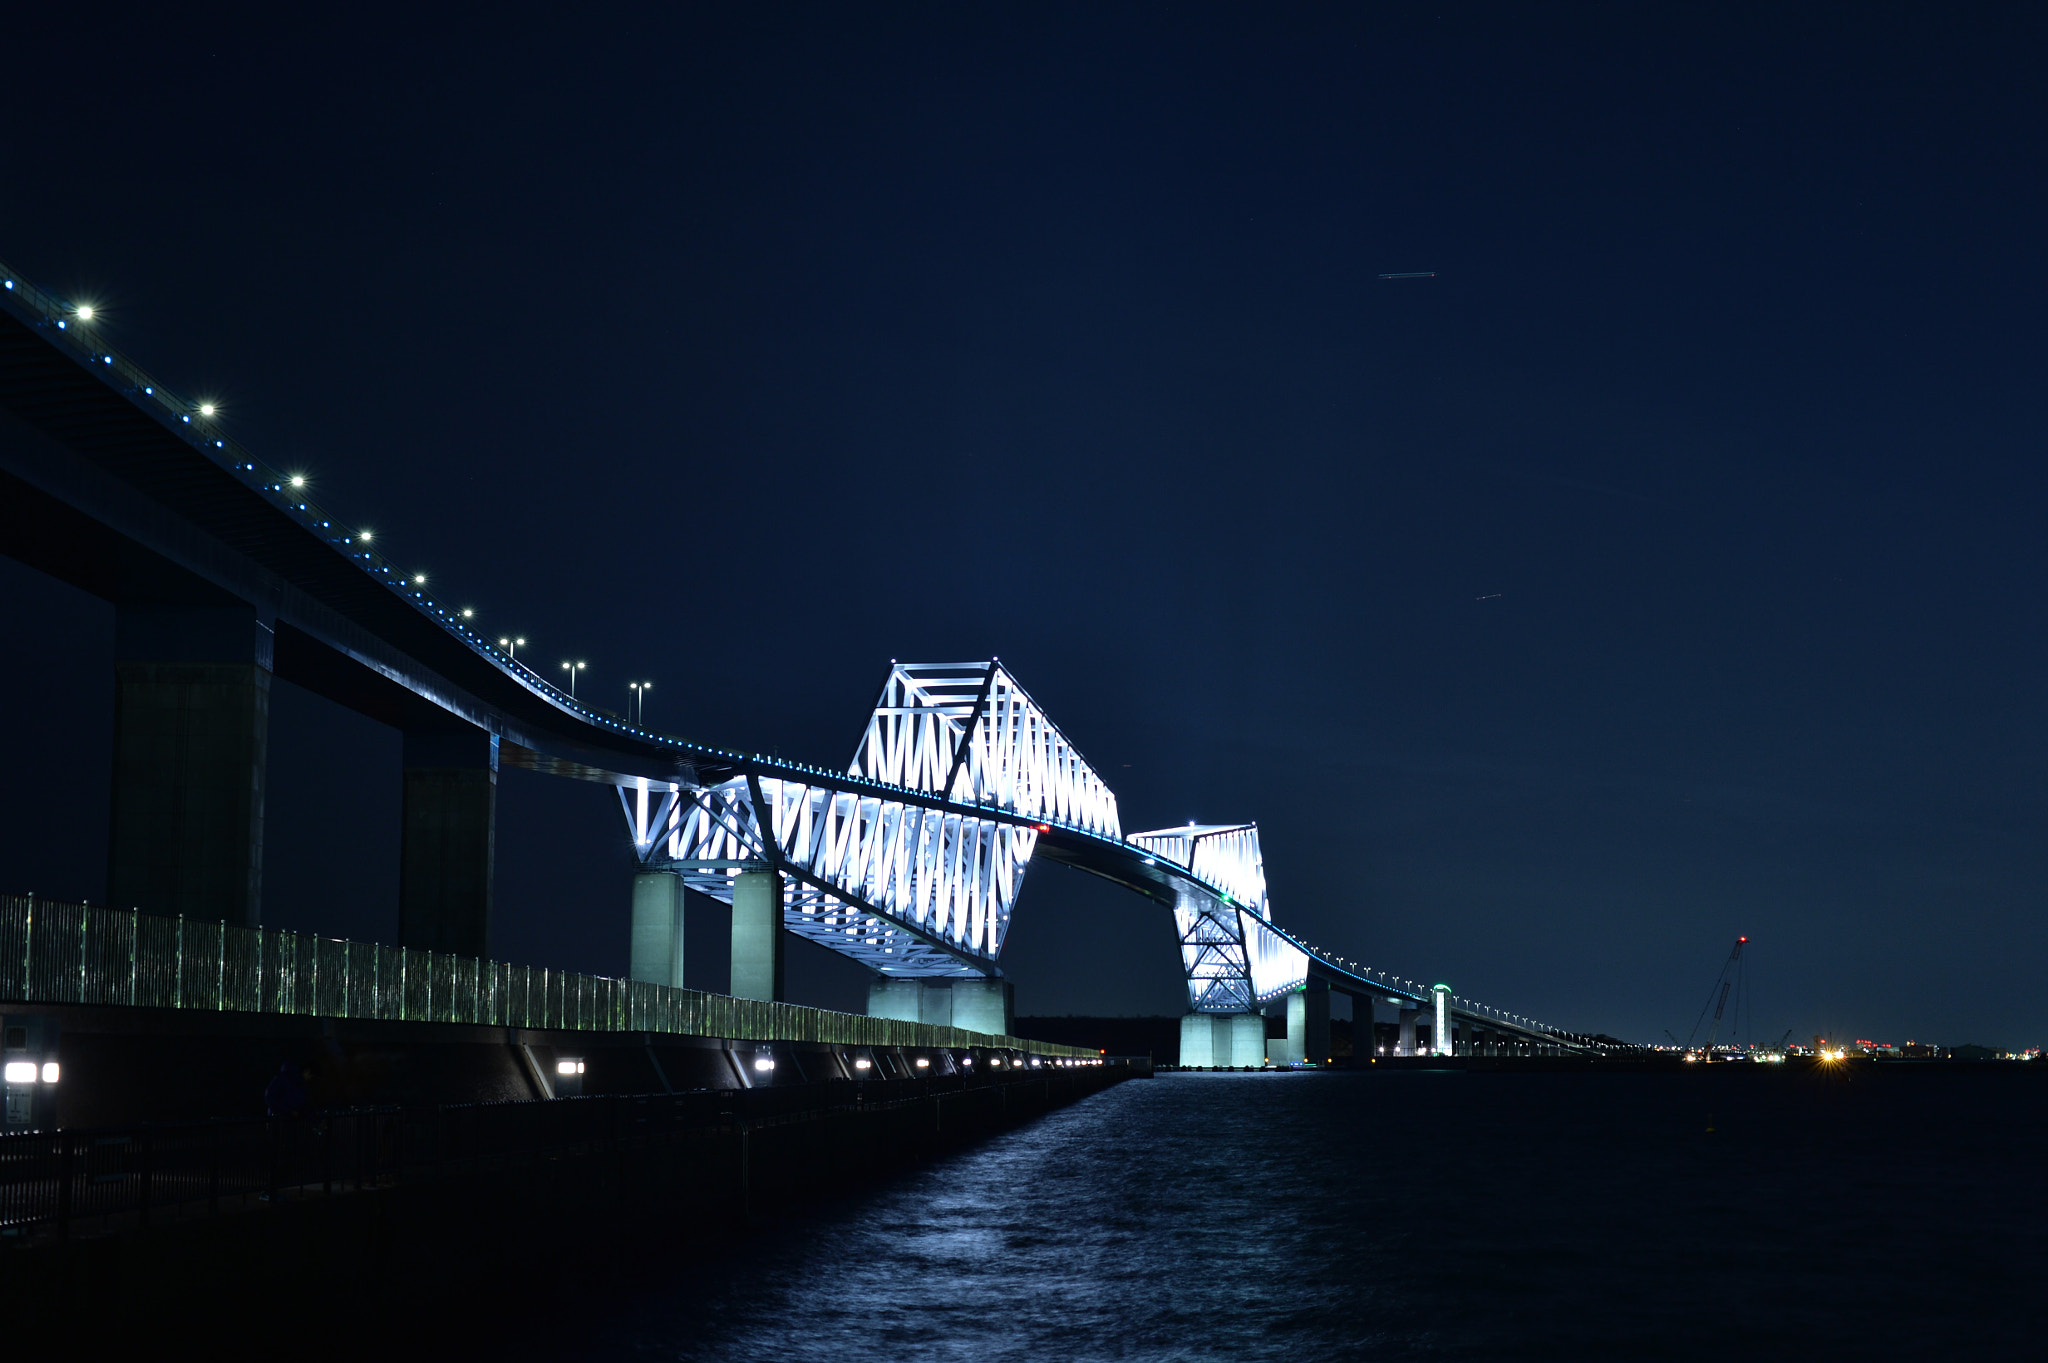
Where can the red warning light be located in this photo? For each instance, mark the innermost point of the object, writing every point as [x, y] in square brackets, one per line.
[1044, 827]
[1742, 939]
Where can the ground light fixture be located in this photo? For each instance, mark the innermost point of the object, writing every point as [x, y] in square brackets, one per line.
[862, 1065]
[21, 1071]
[764, 1064]
[567, 1067]
[923, 1063]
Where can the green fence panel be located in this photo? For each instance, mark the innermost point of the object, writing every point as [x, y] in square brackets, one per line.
[241, 969]
[157, 974]
[306, 969]
[109, 957]
[56, 952]
[200, 960]
[416, 984]
[467, 974]
[15, 912]
[363, 960]
[331, 978]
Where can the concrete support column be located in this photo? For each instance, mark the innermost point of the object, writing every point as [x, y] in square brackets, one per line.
[657, 944]
[899, 1000]
[1363, 1047]
[1286, 1050]
[984, 1006]
[1406, 1046]
[448, 841]
[1440, 1022]
[1198, 1040]
[1464, 1046]
[974, 1005]
[1308, 1023]
[757, 935]
[191, 744]
[1247, 1033]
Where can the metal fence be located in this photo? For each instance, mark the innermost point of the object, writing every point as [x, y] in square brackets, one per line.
[77, 953]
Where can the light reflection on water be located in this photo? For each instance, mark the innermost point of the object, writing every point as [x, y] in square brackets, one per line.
[1415, 1215]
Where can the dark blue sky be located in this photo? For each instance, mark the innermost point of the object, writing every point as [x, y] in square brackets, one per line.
[1667, 567]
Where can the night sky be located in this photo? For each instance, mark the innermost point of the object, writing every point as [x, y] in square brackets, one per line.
[1667, 567]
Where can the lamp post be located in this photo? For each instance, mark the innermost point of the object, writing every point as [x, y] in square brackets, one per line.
[511, 647]
[572, 669]
[639, 690]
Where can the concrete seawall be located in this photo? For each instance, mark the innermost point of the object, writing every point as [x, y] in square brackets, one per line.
[467, 1226]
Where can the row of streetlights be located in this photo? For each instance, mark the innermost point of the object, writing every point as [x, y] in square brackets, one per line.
[88, 313]
[513, 643]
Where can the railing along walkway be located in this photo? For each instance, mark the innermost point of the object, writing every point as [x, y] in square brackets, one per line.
[59, 953]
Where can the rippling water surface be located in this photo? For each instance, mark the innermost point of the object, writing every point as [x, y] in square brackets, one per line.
[1416, 1215]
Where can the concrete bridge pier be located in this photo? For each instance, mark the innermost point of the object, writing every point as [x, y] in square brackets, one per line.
[1363, 1045]
[757, 935]
[1200, 1034]
[975, 1005]
[1406, 1045]
[1308, 1023]
[1247, 1032]
[656, 954]
[448, 840]
[1227, 1041]
[191, 747]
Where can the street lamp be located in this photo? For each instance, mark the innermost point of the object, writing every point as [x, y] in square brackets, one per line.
[639, 690]
[572, 669]
[512, 647]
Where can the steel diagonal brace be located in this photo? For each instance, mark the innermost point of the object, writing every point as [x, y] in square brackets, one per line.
[988, 680]
[782, 864]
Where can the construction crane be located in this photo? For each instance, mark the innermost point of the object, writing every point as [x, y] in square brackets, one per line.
[1730, 978]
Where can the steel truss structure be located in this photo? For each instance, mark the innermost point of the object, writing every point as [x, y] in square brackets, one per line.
[1233, 958]
[911, 858]
[905, 886]
[968, 732]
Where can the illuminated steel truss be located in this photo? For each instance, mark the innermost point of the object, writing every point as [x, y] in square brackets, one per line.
[1233, 958]
[900, 886]
[968, 732]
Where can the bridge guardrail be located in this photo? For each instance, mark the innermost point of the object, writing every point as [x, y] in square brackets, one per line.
[61, 953]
